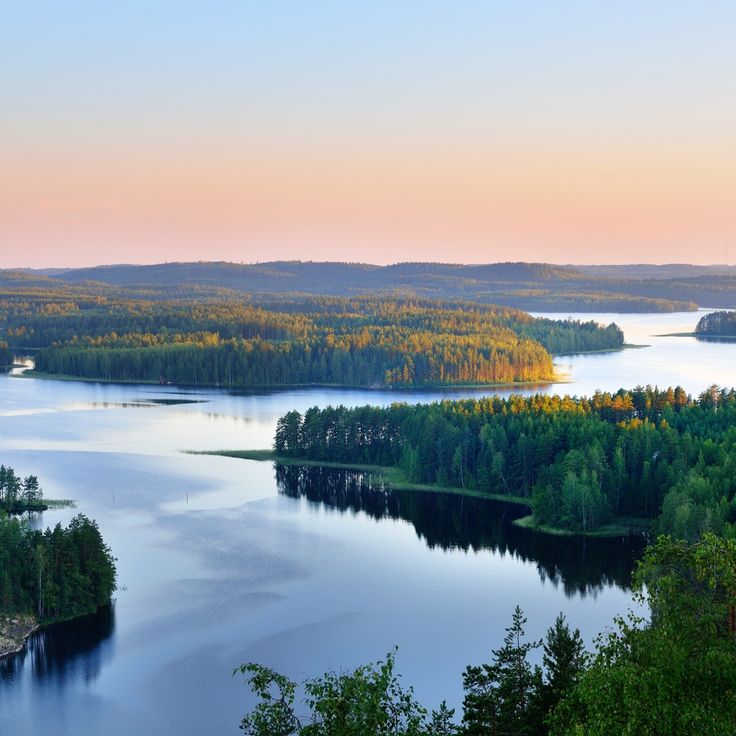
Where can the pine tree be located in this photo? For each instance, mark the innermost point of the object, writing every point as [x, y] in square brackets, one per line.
[499, 697]
[564, 661]
[442, 722]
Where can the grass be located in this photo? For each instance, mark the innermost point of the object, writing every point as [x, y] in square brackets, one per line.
[391, 475]
[394, 477]
[625, 346]
[60, 503]
[623, 526]
[699, 336]
[62, 377]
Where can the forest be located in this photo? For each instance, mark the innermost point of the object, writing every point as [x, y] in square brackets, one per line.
[299, 340]
[57, 574]
[528, 286]
[670, 674]
[579, 462]
[6, 354]
[18, 495]
[717, 324]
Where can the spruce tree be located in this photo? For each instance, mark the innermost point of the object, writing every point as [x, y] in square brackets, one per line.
[500, 697]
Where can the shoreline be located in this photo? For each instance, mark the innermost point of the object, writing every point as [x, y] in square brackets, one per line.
[15, 630]
[393, 476]
[561, 378]
[700, 336]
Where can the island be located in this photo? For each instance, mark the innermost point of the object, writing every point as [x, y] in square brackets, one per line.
[263, 341]
[48, 576]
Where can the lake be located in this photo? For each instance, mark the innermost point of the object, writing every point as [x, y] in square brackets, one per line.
[223, 561]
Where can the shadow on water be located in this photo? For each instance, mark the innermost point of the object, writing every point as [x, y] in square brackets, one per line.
[581, 565]
[74, 649]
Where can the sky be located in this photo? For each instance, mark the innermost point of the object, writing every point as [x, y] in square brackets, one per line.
[459, 131]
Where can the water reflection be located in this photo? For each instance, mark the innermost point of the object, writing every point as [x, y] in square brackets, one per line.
[74, 649]
[581, 565]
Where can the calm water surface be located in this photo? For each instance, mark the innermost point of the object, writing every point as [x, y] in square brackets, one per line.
[223, 561]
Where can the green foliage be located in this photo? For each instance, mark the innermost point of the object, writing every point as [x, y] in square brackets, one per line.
[56, 574]
[717, 324]
[564, 661]
[233, 340]
[274, 715]
[19, 494]
[442, 722]
[500, 697]
[676, 673]
[369, 701]
[361, 342]
[672, 674]
[651, 453]
[6, 354]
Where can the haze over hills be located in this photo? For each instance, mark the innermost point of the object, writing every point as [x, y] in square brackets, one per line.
[655, 270]
[531, 286]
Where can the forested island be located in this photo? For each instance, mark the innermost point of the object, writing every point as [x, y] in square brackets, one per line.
[580, 463]
[296, 340]
[46, 576]
[717, 324]
[672, 674]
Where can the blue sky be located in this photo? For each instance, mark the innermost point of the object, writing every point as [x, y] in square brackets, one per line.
[308, 129]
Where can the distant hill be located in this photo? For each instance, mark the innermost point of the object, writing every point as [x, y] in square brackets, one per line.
[656, 271]
[317, 276]
[527, 286]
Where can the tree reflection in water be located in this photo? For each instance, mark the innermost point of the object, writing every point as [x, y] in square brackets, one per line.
[582, 565]
[70, 649]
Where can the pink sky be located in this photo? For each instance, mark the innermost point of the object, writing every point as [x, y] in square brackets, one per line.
[564, 135]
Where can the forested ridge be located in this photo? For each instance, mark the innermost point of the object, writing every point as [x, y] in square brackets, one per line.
[529, 286]
[300, 340]
[658, 454]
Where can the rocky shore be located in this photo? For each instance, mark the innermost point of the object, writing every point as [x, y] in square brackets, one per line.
[14, 630]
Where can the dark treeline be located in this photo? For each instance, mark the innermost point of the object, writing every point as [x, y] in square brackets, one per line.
[6, 354]
[307, 340]
[35, 317]
[529, 286]
[648, 453]
[19, 494]
[717, 324]
[672, 674]
[580, 565]
[57, 574]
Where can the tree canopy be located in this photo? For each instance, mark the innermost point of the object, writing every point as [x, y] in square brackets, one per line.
[651, 453]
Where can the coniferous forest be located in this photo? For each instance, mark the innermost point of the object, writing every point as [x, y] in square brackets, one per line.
[657, 454]
[58, 574]
[18, 495]
[717, 324]
[55, 575]
[302, 340]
